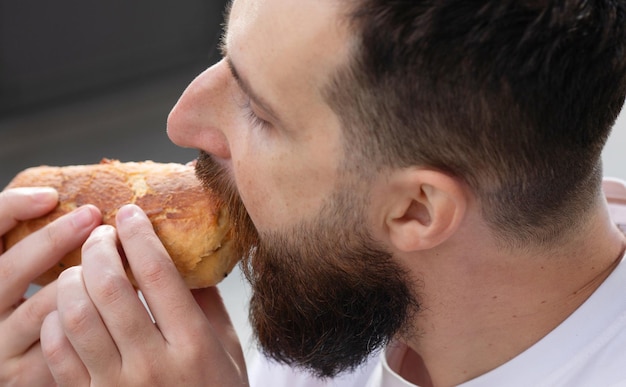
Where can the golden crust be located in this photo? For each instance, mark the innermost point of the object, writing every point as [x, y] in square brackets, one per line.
[191, 222]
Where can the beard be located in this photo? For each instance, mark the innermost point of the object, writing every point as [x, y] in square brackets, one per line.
[325, 294]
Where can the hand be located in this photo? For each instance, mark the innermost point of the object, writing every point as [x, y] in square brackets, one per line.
[21, 359]
[102, 334]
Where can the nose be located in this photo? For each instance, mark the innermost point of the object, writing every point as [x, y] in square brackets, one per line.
[201, 113]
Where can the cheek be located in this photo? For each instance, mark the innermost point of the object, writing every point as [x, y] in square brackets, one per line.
[283, 178]
[256, 194]
[270, 193]
[280, 191]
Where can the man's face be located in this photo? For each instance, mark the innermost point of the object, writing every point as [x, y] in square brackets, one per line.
[325, 293]
[283, 51]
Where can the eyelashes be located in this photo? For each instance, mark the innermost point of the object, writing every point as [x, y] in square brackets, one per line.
[253, 118]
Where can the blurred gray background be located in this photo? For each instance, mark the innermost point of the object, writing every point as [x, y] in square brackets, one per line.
[85, 79]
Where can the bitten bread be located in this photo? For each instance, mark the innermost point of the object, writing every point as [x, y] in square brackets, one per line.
[191, 221]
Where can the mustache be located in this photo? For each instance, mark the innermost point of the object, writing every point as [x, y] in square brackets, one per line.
[216, 178]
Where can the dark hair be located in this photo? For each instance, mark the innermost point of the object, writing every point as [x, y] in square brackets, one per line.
[515, 97]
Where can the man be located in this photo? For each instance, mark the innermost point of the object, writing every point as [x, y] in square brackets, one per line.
[421, 178]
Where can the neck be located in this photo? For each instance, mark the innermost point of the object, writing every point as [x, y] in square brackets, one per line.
[481, 307]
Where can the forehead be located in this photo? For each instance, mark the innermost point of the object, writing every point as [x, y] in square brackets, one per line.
[294, 22]
[293, 44]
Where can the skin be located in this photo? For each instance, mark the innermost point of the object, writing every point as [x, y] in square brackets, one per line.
[299, 153]
[102, 335]
[482, 305]
[21, 359]
[95, 298]
[429, 220]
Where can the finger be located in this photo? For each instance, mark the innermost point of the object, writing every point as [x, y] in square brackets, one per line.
[83, 325]
[39, 251]
[62, 360]
[162, 286]
[117, 302]
[29, 369]
[212, 304]
[24, 324]
[24, 203]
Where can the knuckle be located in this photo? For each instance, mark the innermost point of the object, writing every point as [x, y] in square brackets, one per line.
[109, 287]
[196, 346]
[76, 318]
[52, 236]
[148, 374]
[195, 357]
[53, 352]
[154, 271]
[196, 333]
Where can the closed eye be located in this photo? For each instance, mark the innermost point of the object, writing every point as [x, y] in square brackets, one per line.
[253, 118]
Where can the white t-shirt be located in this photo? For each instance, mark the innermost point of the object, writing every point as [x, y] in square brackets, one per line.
[587, 350]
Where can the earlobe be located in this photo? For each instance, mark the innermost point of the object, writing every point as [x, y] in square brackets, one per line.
[429, 208]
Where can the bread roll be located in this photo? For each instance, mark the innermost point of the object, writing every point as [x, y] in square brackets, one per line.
[192, 222]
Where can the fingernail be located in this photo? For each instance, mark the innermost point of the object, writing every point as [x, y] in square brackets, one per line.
[128, 212]
[82, 217]
[42, 195]
[103, 230]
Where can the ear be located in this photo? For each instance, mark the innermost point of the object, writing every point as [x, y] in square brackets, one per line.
[427, 208]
